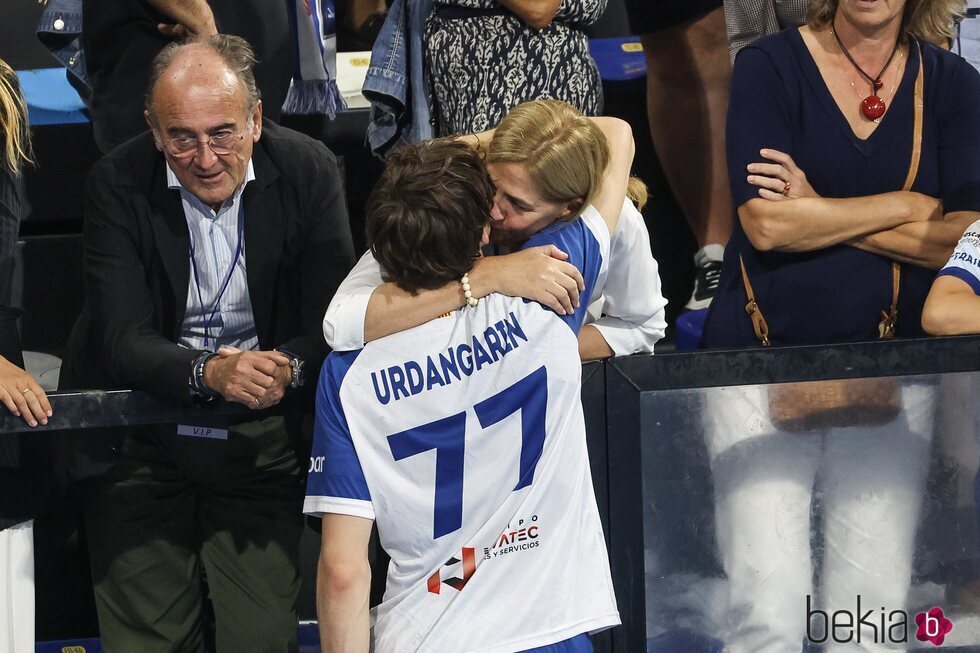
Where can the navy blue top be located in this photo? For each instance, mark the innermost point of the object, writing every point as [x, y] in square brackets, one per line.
[780, 101]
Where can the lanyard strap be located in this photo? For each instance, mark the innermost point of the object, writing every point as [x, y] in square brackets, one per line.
[208, 317]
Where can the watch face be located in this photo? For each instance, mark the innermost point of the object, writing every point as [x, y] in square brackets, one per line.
[297, 368]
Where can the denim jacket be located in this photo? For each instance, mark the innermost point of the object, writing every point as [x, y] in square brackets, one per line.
[60, 31]
[395, 82]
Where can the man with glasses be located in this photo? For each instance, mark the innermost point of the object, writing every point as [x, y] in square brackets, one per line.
[213, 244]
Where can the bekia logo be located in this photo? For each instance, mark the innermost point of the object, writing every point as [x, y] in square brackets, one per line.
[878, 626]
[932, 626]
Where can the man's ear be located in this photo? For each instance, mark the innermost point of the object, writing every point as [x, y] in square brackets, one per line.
[257, 116]
[153, 128]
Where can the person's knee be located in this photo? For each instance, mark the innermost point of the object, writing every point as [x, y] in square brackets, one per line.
[704, 34]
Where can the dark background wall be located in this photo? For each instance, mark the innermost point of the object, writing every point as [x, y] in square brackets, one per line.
[18, 46]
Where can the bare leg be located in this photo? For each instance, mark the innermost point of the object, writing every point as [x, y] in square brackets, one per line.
[358, 11]
[688, 74]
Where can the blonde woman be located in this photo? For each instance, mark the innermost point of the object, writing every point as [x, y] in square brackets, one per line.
[547, 162]
[18, 392]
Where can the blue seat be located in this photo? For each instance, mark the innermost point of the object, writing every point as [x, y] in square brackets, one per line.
[622, 66]
[51, 100]
[689, 327]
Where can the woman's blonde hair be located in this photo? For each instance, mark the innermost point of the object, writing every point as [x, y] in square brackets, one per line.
[564, 152]
[929, 20]
[14, 130]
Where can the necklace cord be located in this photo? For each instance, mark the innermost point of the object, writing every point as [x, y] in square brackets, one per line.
[875, 81]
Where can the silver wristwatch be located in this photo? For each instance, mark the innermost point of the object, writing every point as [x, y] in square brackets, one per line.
[297, 365]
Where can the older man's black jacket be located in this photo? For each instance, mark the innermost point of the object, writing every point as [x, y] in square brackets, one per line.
[298, 249]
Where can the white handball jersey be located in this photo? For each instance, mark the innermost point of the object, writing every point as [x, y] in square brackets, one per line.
[964, 264]
[464, 438]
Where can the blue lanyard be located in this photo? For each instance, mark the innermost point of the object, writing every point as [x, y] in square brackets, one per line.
[224, 285]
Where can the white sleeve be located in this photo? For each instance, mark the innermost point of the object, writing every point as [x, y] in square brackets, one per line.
[634, 303]
[343, 323]
[964, 264]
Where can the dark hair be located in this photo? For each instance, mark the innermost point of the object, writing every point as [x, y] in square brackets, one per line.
[426, 215]
[233, 50]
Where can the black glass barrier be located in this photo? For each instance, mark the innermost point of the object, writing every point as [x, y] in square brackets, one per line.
[793, 499]
[61, 569]
[796, 499]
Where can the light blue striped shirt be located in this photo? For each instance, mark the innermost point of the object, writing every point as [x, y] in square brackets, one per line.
[214, 239]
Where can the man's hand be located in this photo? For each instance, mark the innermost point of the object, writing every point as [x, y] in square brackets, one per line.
[256, 379]
[192, 19]
[21, 394]
[540, 274]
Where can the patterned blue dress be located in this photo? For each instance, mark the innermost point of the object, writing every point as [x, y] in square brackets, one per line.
[483, 60]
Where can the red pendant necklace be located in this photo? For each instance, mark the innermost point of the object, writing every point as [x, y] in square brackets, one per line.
[873, 107]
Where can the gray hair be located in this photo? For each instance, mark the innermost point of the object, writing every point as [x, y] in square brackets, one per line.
[235, 51]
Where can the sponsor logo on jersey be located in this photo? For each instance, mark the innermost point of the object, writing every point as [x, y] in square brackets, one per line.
[522, 536]
[467, 556]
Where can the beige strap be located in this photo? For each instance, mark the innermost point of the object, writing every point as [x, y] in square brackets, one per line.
[889, 320]
[752, 308]
[918, 103]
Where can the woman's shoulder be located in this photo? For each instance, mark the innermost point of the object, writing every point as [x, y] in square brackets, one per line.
[775, 47]
[946, 68]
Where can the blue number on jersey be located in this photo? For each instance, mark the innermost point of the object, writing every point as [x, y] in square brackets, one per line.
[530, 396]
[448, 435]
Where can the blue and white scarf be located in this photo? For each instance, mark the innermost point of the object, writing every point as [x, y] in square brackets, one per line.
[314, 88]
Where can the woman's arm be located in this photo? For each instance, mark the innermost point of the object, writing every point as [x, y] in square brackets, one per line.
[609, 199]
[343, 323]
[366, 308]
[809, 223]
[592, 346]
[479, 141]
[926, 244]
[634, 318]
[538, 273]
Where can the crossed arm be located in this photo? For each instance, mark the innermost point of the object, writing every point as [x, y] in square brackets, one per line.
[903, 225]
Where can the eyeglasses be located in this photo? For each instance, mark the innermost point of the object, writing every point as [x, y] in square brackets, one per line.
[224, 142]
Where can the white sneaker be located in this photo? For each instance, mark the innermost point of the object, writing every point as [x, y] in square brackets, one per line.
[707, 272]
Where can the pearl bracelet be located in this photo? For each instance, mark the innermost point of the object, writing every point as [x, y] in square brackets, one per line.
[471, 301]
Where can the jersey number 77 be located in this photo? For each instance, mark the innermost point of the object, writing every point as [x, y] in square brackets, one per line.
[448, 437]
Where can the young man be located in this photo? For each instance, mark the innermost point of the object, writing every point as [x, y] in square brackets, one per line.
[464, 439]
